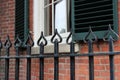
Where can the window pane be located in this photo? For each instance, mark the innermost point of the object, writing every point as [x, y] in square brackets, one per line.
[55, 16]
[47, 2]
[61, 16]
[48, 20]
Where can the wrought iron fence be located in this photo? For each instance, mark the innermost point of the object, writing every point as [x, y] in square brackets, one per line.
[42, 42]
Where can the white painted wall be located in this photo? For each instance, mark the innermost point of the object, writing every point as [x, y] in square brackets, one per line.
[38, 15]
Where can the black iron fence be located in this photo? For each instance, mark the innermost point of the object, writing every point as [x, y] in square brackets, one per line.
[42, 42]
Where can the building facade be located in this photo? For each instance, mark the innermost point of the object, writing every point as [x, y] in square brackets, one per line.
[34, 16]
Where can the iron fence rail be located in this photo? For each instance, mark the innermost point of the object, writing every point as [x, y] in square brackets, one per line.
[42, 42]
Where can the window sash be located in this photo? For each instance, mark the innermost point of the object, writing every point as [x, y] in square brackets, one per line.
[52, 6]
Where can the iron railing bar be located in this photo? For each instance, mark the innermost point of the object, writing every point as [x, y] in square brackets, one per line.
[41, 43]
[56, 60]
[0, 52]
[17, 44]
[0, 46]
[72, 61]
[29, 44]
[91, 60]
[56, 68]
[17, 65]
[28, 68]
[7, 46]
[7, 65]
[111, 59]
[63, 55]
[6, 69]
[28, 77]
[17, 69]
[41, 75]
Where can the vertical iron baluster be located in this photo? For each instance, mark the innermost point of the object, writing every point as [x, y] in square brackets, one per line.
[72, 62]
[41, 77]
[0, 46]
[56, 53]
[111, 59]
[41, 45]
[29, 43]
[91, 61]
[7, 45]
[72, 57]
[17, 44]
[6, 69]
[90, 38]
[28, 63]
[111, 36]
[56, 61]
[17, 65]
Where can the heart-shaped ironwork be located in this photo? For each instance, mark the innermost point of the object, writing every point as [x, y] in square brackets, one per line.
[56, 34]
[7, 43]
[42, 40]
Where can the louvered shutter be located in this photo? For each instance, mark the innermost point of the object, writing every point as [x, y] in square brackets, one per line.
[95, 13]
[21, 18]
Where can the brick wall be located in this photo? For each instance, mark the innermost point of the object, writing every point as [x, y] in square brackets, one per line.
[7, 13]
[6, 27]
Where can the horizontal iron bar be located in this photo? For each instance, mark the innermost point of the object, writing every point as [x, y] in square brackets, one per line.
[61, 55]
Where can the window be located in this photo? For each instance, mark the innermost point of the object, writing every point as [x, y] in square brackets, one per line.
[21, 18]
[50, 15]
[55, 16]
[97, 14]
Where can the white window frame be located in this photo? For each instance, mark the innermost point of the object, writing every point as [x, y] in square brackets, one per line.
[38, 22]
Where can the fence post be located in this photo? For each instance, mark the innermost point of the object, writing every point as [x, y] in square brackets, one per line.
[7, 45]
[29, 43]
[56, 54]
[91, 60]
[17, 44]
[111, 58]
[0, 46]
[90, 38]
[41, 44]
[72, 57]
[109, 37]
[72, 61]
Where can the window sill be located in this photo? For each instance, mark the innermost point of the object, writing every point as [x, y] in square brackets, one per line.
[63, 48]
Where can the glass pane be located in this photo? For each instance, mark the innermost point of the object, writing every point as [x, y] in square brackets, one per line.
[48, 20]
[61, 16]
[47, 2]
